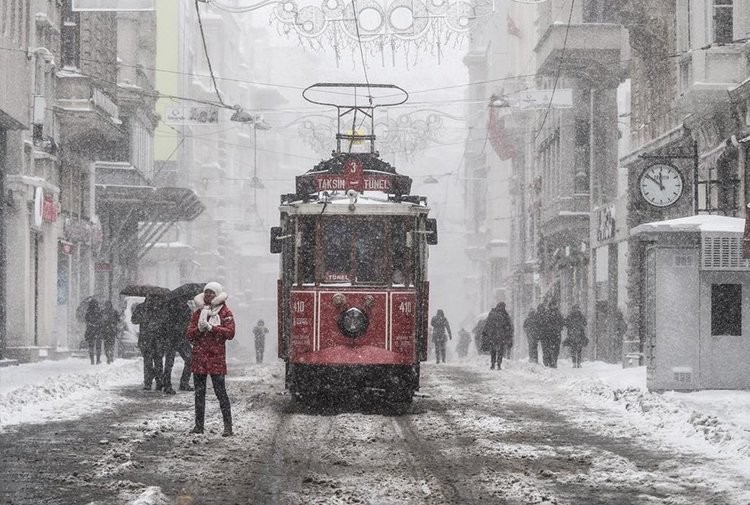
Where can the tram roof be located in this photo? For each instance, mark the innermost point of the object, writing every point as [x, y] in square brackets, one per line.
[368, 203]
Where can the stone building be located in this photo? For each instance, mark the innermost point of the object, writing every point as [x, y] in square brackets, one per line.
[690, 112]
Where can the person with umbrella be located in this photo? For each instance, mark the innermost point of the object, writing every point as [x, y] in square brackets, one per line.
[209, 329]
[177, 318]
[149, 315]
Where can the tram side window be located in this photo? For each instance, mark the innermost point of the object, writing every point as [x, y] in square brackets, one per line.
[337, 245]
[306, 251]
[399, 252]
[370, 251]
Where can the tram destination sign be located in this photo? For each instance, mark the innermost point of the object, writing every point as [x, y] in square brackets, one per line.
[353, 175]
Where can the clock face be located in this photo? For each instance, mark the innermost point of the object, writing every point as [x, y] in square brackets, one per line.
[661, 185]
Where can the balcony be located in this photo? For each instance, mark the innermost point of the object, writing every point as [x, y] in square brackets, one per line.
[84, 109]
[592, 50]
[706, 75]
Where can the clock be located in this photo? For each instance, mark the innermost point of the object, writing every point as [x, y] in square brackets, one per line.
[661, 184]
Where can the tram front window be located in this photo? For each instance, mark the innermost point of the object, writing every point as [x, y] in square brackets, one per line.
[306, 251]
[370, 251]
[337, 249]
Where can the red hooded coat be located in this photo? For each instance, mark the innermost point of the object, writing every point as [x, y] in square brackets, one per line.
[209, 352]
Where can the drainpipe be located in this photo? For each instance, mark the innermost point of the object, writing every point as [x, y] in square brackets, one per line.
[3, 262]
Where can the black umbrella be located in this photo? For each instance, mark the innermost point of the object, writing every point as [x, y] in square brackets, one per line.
[144, 290]
[186, 291]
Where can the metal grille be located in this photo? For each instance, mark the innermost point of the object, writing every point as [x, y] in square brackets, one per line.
[723, 253]
[683, 377]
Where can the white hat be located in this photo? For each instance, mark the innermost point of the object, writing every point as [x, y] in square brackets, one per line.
[215, 287]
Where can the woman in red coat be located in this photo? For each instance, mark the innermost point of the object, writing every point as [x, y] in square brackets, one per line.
[211, 325]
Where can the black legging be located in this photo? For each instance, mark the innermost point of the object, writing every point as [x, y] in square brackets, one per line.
[200, 398]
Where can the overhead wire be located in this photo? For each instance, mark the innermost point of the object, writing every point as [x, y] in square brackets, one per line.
[205, 50]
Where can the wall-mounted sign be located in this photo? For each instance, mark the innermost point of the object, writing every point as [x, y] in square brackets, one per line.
[49, 209]
[38, 206]
[544, 98]
[198, 115]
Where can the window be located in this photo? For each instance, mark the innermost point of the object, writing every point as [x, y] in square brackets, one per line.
[726, 309]
[306, 250]
[723, 26]
[70, 36]
[337, 249]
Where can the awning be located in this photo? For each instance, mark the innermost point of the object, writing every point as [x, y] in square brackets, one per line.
[120, 187]
[151, 204]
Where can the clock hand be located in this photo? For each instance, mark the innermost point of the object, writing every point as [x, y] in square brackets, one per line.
[661, 184]
[657, 182]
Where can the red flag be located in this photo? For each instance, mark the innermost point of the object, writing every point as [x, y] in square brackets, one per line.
[513, 28]
[498, 136]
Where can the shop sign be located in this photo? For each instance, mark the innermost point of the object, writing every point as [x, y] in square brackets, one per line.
[38, 206]
[49, 209]
[102, 267]
[197, 115]
[606, 223]
[66, 247]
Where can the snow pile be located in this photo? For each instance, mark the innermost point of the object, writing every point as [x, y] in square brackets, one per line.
[717, 422]
[60, 390]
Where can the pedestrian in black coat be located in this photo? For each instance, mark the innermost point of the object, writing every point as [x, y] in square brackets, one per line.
[497, 334]
[576, 339]
[440, 329]
[464, 339]
[93, 333]
[176, 318]
[110, 327]
[552, 323]
[531, 329]
[150, 317]
[259, 332]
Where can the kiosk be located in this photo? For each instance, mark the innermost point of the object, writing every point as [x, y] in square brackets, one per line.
[695, 301]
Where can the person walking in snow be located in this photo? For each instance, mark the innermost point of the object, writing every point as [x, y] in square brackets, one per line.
[464, 340]
[531, 329]
[110, 328]
[576, 339]
[150, 318]
[176, 320]
[440, 330]
[93, 333]
[497, 334]
[551, 323]
[211, 325]
[259, 332]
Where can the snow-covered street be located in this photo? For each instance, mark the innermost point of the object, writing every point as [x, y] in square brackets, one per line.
[525, 434]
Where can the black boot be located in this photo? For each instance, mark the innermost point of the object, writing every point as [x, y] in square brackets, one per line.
[227, 430]
[186, 387]
[197, 429]
[169, 391]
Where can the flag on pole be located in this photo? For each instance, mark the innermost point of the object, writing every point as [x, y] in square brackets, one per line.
[513, 28]
[498, 136]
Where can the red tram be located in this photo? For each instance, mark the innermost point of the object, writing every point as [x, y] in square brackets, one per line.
[353, 289]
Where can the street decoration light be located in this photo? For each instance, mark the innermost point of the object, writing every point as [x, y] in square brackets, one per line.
[405, 135]
[380, 26]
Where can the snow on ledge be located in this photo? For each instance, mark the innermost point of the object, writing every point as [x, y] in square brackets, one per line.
[700, 223]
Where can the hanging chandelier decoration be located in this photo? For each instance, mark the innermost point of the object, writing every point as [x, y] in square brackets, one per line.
[385, 26]
[405, 135]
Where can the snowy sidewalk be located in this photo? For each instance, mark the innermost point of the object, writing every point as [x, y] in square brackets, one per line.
[60, 390]
[712, 422]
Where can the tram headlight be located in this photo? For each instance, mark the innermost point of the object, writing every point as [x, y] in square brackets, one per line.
[339, 301]
[353, 323]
